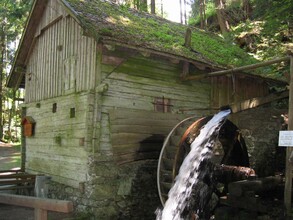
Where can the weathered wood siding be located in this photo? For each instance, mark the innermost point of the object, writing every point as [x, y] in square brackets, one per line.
[61, 142]
[137, 81]
[232, 89]
[62, 59]
[128, 113]
[138, 134]
[60, 72]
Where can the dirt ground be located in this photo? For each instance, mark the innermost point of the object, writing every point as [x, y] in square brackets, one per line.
[7, 155]
[9, 212]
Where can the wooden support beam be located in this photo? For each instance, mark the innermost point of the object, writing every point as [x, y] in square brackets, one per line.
[289, 150]
[237, 70]
[185, 69]
[187, 44]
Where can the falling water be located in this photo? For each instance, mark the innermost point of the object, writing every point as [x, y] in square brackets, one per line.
[187, 192]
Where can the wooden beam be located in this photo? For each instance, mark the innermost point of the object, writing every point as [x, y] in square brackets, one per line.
[199, 62]
[237, 70]
[255, 102]
[41, 205]
[35, 202]
[185, 69]
[289, 150]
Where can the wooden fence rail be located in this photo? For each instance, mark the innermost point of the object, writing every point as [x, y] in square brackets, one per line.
[41, 205]
[17, 180]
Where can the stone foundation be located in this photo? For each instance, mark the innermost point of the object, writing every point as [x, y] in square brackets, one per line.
[260, 128]
[124, 192]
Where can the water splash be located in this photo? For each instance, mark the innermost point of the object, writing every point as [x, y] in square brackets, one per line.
[187, 192]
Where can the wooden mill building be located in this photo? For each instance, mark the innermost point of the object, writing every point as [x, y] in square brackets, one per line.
[103, 87]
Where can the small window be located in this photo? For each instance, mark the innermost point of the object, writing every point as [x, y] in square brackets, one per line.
[72, 113]
[162, 105]
[54, 108]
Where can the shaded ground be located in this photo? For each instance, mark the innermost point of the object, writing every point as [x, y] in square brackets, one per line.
[9, 159]
[9, 156]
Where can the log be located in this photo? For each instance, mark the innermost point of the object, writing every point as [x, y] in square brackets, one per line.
[239, 188]
[239, 69]
[227, 174]
[37, 203]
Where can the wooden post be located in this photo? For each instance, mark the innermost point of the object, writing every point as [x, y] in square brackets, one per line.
[23, 142]
[41, 214]
[289, 150]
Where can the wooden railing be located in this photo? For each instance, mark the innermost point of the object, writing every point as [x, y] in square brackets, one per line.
[17, 180]
[41, 205]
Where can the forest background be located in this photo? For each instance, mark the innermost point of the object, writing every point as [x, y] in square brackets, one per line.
[263, 28]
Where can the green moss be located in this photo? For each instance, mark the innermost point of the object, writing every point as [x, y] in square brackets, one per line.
[130, 27]
[106, 31]
[58, 139]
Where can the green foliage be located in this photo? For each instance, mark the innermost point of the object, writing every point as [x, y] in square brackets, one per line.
[194, 19]
[13, 14]
[268, 34]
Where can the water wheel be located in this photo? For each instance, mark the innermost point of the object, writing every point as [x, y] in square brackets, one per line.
[231, 150]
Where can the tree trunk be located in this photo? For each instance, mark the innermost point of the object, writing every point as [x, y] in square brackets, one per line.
[153, 6]
[202, 14]
[223, 23]
[181, 13]
[11, 113]
[2, 66]
[246, 8]
[185, 16]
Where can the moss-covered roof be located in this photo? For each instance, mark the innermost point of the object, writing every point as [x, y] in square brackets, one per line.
[111, 23]
[108, 21]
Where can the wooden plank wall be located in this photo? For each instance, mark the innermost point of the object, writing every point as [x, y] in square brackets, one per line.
[128, 115]
[139, 134]
[62, 59]
[232, 89]
[61, 143]
[138, 80]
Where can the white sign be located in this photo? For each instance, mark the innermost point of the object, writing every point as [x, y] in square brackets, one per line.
[286, 138]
